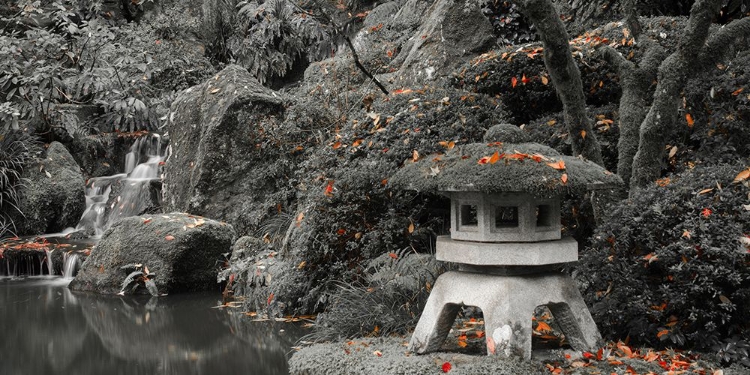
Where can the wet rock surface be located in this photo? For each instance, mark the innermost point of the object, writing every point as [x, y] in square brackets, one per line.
[52, 197]
[182, 251]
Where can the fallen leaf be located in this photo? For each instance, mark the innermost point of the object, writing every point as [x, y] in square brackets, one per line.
[525, 80]
[513, 82]
[738, 91]
[689, 119]
[357, 142]
[559, 165]
[490, 345]
[446, 366]
[411, 228]
[414, 155]
[545, 81]
[169, 237]
[704, 191]
[706, 212]
[564, 178]
[449, 145]
[329, 189]
[270, 298]
[672, 152]
[336, 145]
[583, 134]
[543, 327]
[742, 176]
[393, 255]
[214, 91]
[299, 218]
[494, 158]
[146, 221]
[484, 160]
[301, 265]
[724, 299]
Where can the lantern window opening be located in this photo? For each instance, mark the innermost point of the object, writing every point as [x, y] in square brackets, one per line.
[469, 215]
[544, 215]
[506, 216]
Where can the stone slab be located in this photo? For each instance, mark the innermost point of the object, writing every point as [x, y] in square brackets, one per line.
[507, 254]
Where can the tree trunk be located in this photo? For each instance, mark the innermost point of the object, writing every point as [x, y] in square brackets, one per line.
[565, 76]
[690, 58]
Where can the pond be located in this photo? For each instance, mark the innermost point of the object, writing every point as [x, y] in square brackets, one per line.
[47, 329]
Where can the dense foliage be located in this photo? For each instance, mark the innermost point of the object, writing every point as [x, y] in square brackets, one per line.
[16, 149]
[61, 56]
[670, 267]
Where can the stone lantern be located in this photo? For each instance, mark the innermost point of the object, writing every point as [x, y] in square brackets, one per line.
[505, 237]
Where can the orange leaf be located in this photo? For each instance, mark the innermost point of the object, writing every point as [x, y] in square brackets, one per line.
[169, 237]
[559, 165]
[525, 80]
[706, 212]
[402, 91]
[336, 145]
[462, 344]
[583, 134]
[662, 333]
[411, 228]
[545, 81]
[689, 119]
[517, 156]
[146, 221]
[484, 160]
[738, 91]
[393, 255]
[742, 176]
[495, 157]
[564, 178]
[414, 155]
[536, 157]
[543, 327]
[448, 145]
[490, 345]
[270, 298]
[513, 82]
[357, 142]
[299, 218]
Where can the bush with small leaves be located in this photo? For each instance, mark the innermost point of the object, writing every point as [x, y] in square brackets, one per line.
[16, 150]
[670, 267]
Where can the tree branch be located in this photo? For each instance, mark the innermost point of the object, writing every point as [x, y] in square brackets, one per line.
[349, 44]
[716, 49]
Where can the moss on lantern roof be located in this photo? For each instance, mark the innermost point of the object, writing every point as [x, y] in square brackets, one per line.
[503, 167]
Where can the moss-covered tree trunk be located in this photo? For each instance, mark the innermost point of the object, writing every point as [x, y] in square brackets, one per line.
[565, 76]
[635, 80]
[693, 55]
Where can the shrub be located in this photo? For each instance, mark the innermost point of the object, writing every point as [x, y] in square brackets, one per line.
[669, 267]
[16, 150]
[390, 300]
[508, 24]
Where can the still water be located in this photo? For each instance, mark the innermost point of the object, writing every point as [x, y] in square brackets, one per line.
[47, 329]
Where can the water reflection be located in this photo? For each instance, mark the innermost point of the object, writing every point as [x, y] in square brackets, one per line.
[47, 329]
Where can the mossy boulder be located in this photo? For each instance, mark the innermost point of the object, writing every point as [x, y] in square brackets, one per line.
[181, 250]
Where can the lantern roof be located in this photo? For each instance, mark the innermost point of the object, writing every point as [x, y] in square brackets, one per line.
[504, 167]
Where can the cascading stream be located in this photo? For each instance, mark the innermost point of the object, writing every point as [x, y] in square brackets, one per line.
[134, 188]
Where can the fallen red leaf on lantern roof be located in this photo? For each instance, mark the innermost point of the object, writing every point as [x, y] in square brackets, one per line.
[513, 82]
[559, 165]
[495, 157]
[518, 156]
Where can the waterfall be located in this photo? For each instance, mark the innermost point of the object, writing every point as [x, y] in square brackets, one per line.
[111, 198]
[70, 265]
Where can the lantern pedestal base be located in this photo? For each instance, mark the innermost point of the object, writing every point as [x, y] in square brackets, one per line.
[508, 304]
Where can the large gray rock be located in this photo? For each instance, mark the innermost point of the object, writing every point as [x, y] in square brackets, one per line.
[226, 141]
[52, 197]
[183, 251]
